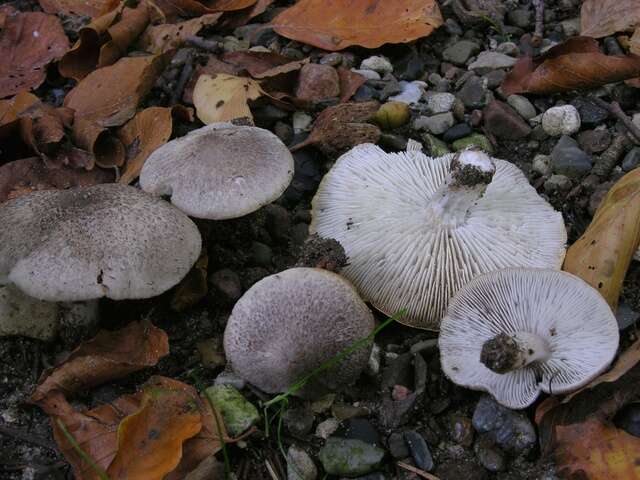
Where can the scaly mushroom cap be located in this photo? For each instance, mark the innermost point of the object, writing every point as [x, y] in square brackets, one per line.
[516, 332]
[416, 229]
[108, 240]
[290, 323]
[220, 171]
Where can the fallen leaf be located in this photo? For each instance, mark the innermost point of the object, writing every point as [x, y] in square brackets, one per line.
[110, 96]
[337, 24]
[574, 64]
[150, 440]
[107, 149]
[91, 8]
[600, 18]
[193, 287]
[105, 40]
[10, 109]
[579, 434]
[148, 130]
[601, 256]
[172, 9]
[28, 43]
[107, 356]
[342, 127]
[634, 42]
[350, 82]
[239, 18]
[222, 98]
[30, 174]
[162, 38]
[212, 67]
[263, 64]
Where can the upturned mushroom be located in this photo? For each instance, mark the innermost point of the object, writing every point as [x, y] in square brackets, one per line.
[108, 240]
[517, 332]
[220, 171]
[290, 323]
[416, 229]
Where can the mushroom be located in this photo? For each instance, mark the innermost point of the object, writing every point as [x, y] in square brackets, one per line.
[517, 332]
[107, 240]
[416, 229]
[288, 324]
[220, 171]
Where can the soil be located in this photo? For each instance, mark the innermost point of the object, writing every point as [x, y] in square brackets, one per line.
[27, 450]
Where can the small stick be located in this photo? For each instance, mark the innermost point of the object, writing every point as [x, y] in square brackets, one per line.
[199, 42]
[609, 158]
[185, 76]
[614, 109]
[539, 29]
[417, 471]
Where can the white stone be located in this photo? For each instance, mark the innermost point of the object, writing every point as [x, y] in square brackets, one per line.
[564, 120]
[492, 61]
[368, 74]
[411, 92]
[301, 122]
[378, 64]
[440, 102]
[542, 165]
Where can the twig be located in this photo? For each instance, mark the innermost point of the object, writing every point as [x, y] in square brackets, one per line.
[25, 437]
[208, 45]
[185, 76]
[609, 158]
[614, 109]
[417, 471]
[538, 33]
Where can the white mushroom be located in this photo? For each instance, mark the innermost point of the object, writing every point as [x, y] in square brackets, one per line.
[517, 332]
[108, 240]
[220, 171]
[415, 229]
[288, 324]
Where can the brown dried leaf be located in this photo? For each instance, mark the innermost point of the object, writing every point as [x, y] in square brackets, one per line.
[342, 127]
[222, 98]
[107, 356]
[365, 23]
[634, 42]
[242, 17]
[599, 18]
[30, 174]
[601, 256]
[105, 40]
[172, 9]
[150, 440]
[107, 149]
[91, 8]
[350, 82]
[263, 64]
[110, 96]
[162, 38]
[10, 109]
[576, 63]
[148, 130]
[28, 43]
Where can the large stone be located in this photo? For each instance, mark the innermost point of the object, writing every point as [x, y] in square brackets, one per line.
[567, 158]
[349, 457]
[317, 82]
[459, 52]
[504, 122]
[473, 93]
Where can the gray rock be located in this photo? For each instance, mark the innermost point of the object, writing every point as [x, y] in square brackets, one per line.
[334, 59]
[520, 17]
[298, 421]
[488, 61]
[453, 27]
[511, 431]
[508, 48]
[473, 93]
[436, 124]
[326, 428]
[366, 73]
[460, 130]
[419, 450]
[489, 457]
[349, 457]
[459, 52]
[299, 465]
[541, 164]
[594, 141]
[557, 183]
[522, 105]
[567, 158]
[397, 446]
[494, 78]
[590, 113]
[631, 159]
[440, 103]
[378, 64]
[563, 120]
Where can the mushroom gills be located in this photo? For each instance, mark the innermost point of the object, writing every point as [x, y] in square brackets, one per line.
[505, 353]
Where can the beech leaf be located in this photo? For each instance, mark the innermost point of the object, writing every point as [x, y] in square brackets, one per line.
[600, 18]
[222, 98]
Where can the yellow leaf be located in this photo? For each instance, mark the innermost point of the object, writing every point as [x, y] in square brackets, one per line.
[222, 97]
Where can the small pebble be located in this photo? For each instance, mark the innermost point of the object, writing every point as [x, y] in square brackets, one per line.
[488, 61]
[563, 120]
[334, 59]
[461, 430]
[440, 103]
[238, 413]
[457, 131]
[300, 466]
[631, 159]
[594, 141]
[436, 124]
[397, 446]
[434, 146]
[557, 183]
[349, 457]
[460, 52]
[567, 158]
[419, 450]
[474, 93]
[368, 74]
[475, 139]
[541, 164]
[590, 113]
[378, 64]
[504, 122]
[508, 48]
[301, 121]
[326, 428]
[522, 105]
[411, 92]
[298, 421]
[489, 457]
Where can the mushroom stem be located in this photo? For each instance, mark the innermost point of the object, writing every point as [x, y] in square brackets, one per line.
[471, 172]
[505, 353]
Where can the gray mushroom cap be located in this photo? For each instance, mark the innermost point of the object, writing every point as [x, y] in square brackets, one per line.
[517, 332]
[220, 171]
[288, 324]
[108, 240]
[416, 229]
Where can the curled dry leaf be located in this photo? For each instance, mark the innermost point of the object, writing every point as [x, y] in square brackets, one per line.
[342, 127]
[148, 130]
[599, 18]
[28, 43]
[162, 38]
[239, 18]
[222, 98]
[338, 24]
[576, 63]
[263, 64]
[105, 40]
[107, 356]
[579, 434]
[107, 149]
[31, 174]
[93, 8]
[109, 96]
[601, 256]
